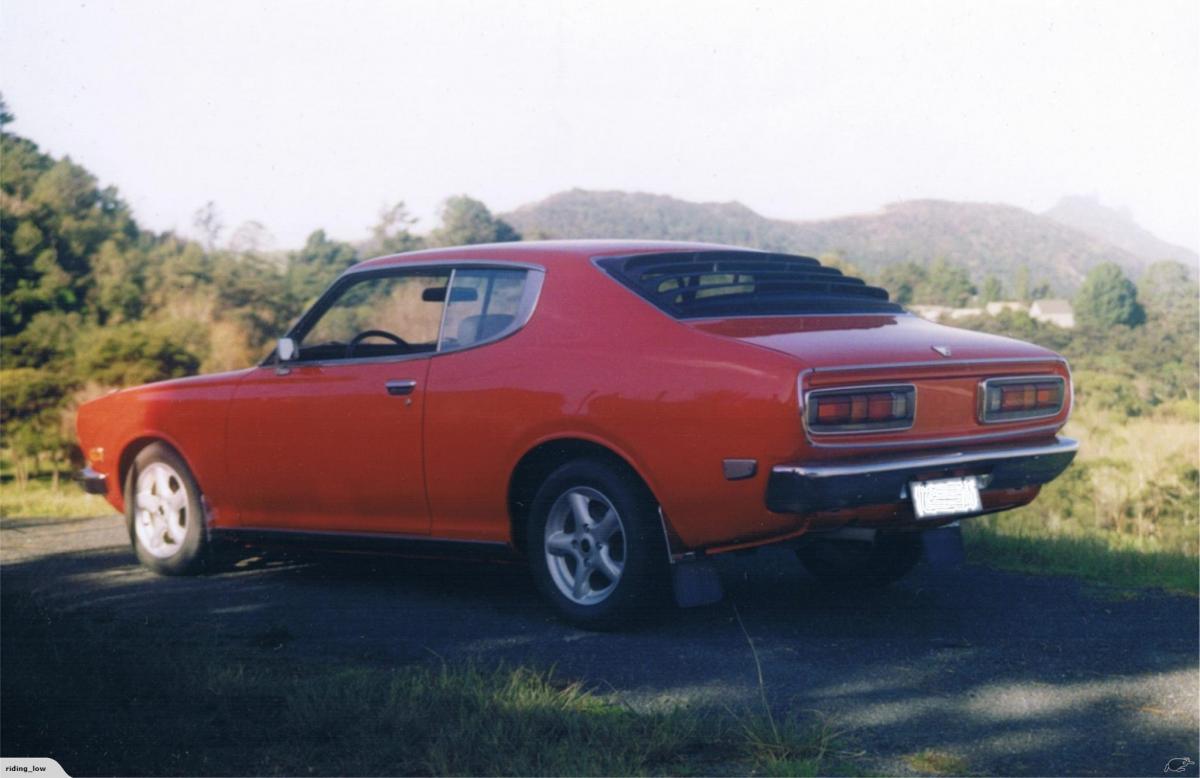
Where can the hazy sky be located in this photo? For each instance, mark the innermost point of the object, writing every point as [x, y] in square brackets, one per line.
[316, 114]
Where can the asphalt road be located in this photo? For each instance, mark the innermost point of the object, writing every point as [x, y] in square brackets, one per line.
[1015, 674]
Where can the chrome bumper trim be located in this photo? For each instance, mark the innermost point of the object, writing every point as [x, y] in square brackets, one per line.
[809, 488]
[91, 481]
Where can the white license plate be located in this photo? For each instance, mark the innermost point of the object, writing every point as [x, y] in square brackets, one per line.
[945, 497]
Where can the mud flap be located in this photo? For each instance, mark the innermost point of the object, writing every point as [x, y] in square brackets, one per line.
[696, 583]
[944, 547]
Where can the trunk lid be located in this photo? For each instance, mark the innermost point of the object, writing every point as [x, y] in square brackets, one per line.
[832, 342]
[945, 364]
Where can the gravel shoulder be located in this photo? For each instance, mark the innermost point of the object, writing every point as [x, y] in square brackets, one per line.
[1006, 673]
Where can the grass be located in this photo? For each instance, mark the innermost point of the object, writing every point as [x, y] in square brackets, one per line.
[105, 696]
[774, 743]
[40, 499]
[1124, 515]
[930, 762]
[1105, 558]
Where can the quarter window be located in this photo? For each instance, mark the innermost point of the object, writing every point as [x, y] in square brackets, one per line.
[484, 304]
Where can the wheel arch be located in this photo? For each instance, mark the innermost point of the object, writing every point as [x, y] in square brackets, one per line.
[130, 451]
[540, 461]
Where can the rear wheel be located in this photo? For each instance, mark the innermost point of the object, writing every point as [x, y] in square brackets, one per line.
[888, 558]
[595, 544]
[164, 512]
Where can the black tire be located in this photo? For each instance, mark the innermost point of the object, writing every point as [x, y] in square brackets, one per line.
[853, 563]
[641, 550]
[182, 547]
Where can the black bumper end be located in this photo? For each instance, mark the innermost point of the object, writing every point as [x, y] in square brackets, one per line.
[91, 481]
[812, 488]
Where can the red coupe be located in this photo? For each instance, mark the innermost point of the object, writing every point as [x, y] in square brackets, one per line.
[614, 412]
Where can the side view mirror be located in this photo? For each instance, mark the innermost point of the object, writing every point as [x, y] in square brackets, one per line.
[286, 349]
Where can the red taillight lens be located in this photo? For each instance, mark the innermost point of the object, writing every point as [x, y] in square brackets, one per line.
[868, 408]
[1011, 399]
[834, 410]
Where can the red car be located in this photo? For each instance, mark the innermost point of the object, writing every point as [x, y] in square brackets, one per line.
[615, 412]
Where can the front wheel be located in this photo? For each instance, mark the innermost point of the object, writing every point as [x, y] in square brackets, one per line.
[595, 544]
[164, 512]
[850, 563]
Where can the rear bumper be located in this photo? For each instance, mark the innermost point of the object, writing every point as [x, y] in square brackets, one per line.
[91, 481]
[815, 487]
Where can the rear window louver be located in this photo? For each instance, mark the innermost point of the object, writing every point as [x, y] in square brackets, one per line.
[700, 284]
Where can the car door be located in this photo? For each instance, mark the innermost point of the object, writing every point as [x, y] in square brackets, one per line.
[330, 441]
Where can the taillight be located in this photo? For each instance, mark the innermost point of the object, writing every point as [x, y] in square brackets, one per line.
[863, 409]
[1012, 399]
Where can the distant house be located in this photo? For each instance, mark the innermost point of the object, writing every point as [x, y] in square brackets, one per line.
[931, 312]
[997, 308]
[944, 312]
[1058, 312]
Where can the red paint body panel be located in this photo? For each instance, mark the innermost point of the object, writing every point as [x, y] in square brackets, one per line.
[187, 413]
[672, 404]
[326, 448]
[868, 339]
[898, 349]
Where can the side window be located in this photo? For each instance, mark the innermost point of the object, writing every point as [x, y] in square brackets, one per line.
[380, 316]
[484, 303]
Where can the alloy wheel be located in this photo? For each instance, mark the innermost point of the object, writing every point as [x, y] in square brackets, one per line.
[585, 545]
[161, 510]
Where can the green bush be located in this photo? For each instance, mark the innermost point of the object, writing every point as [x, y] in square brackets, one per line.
[1109, 392]
[140, 352]
[31, 415]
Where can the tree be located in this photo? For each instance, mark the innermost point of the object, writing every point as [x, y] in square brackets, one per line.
[1021, 283]
[835, 260]
[1042, 291]
[48, 342]
[466, 221]
[311, 269]
[207, 222]
[31, 416]
[252, 291]
[903, 280]
[6, 116]
[992, 291]
[392, 234]
[1107, 298]
[941, 283]
[119, 283]
[947, 284]
[1170, 294]
[251, 237]
[140, 352]
[53, 221]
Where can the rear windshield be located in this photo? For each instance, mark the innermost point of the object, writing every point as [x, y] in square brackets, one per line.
[699, 284]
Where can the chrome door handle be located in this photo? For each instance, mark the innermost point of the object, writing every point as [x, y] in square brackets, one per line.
[399, 388]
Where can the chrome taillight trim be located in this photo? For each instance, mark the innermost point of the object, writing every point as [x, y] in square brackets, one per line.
[1045, 378]
[857, 429]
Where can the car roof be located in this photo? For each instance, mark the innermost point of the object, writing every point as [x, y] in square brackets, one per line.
[545, 252]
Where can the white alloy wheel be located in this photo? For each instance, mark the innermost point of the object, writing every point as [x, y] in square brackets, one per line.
[161, 509]
[584, 545]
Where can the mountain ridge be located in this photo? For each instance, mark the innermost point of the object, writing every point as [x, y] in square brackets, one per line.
[988, 238]
[1116, 226]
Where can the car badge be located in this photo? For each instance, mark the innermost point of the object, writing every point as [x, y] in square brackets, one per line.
[943, 350]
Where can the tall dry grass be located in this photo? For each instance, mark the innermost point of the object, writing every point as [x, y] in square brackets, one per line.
[1125, 513]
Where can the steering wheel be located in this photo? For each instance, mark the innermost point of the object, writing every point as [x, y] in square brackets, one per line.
[360, 337]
